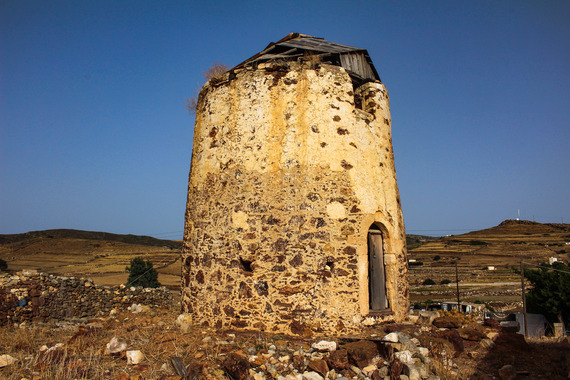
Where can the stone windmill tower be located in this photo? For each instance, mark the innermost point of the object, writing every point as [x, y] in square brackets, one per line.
[293, 220]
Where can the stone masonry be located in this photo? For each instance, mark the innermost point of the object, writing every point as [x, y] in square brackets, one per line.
[291, 168]
[45, 297]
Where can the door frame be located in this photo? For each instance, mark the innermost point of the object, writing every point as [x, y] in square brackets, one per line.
[378, 301]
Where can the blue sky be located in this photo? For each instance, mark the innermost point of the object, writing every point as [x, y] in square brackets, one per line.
[94, 134]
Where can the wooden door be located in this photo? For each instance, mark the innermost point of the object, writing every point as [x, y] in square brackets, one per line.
[376, 275]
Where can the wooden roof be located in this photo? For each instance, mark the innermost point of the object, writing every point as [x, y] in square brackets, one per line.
[295, 45]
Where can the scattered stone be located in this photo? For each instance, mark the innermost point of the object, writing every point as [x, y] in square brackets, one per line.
[405, 357]
[469, 333]
[446, 322]
[338, 359]
[319, 366]
[141, 367]
[411, 371]
[116, 346]
[6, 360]
[507, 372]
[423, 351]
[392, 337]
[237, 367]
[324, 345]
[184, 322]
[299, 363]
[134, 357]
[396, 368]
[355, 369]
[51, 355]
[178, 367]
[368, 370]
[138, 308]
[362, 353]
[312, 376]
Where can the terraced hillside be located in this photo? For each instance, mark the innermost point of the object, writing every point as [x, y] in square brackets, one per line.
[502, 248]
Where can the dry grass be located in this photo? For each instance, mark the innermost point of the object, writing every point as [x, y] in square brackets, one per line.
[83, 347]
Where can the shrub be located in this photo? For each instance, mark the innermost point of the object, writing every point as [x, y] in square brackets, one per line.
[216, 71]
[415, 263]
[141, 273]
[477, 242]
[445, 282]
[436, 258]
[428, 281]
[3, 265]
[550, 292]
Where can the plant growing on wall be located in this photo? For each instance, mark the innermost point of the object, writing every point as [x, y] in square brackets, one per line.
[215, 73]
[142, 273]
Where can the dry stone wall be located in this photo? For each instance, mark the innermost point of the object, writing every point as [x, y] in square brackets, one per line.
[291, 167]
[43, 297]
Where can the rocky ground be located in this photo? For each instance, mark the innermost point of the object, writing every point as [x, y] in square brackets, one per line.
[141, 342]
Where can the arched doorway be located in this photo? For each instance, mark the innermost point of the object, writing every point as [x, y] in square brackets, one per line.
[376, 273]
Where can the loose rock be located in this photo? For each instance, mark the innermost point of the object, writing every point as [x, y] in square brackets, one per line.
[116, 346]
[6, 360]
[134, 357]
[324, 345]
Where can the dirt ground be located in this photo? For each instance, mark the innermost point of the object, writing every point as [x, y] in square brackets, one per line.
[82, 353]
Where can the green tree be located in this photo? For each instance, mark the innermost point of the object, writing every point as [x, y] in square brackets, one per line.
[550, 292]
[141, 273]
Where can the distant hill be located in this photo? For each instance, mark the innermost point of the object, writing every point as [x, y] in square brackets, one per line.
[492, 255]
[101, 256]
[88, 235]
[414, 241]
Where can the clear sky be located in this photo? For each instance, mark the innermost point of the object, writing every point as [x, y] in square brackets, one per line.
[94, 134]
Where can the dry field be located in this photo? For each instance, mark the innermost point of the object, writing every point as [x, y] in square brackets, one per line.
[101, 257]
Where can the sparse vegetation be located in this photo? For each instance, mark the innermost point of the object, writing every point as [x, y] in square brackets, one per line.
[415, 263]
[436, 258]
[428, 281]
[214, 73]
[445, 282]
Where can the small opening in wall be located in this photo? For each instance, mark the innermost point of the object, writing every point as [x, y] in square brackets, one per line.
[357, 101]
[246, 265]
[330, 265]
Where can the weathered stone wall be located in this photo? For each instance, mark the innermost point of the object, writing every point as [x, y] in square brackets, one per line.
[288, 174]
[43, 297]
